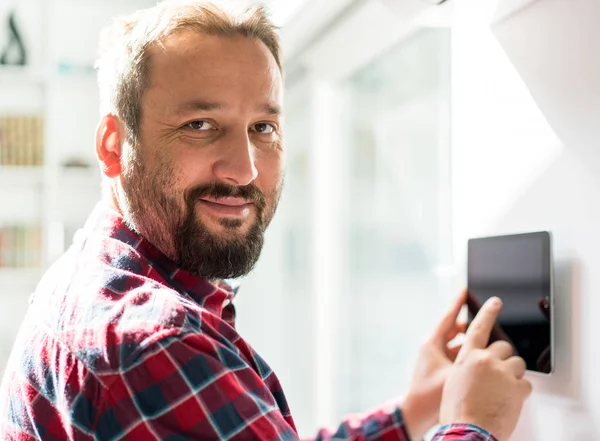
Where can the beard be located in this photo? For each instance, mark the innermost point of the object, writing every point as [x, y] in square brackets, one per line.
[167, 217]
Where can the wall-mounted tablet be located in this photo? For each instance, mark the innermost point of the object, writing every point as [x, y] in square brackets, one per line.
[518, 270]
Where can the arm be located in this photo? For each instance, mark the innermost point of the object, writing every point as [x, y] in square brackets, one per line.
[389, 425]
[191, 387]
[420, 408]
[384, 424]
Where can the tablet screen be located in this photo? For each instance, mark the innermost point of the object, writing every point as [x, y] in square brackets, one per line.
[516, 269]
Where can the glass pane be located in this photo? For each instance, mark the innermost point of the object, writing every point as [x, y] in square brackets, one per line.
[295, 212]
[397, 181]
[275, 303]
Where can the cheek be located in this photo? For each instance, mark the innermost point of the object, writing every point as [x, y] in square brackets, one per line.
[270, 169]
[190, 170]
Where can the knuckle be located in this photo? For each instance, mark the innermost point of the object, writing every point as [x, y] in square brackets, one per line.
[482, 359]
[518, 362]
[495, 346]
[527, 387]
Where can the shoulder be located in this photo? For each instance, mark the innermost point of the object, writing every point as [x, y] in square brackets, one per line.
[106, 310]
[122, 327]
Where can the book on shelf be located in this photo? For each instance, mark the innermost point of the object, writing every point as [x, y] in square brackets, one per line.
[20, 246]
[21, 140]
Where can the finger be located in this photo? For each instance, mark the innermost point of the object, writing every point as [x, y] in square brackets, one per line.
[517, 366]
[502, 349]
[478, 334]
[452, 352]
[448, 322]
[525, 387]
[459, 328]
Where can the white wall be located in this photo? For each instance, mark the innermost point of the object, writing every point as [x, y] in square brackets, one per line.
[526, 131]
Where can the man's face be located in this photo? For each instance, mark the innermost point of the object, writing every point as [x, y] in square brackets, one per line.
[204, 180]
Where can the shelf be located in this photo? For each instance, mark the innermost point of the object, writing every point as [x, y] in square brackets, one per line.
[22, 90]
[82, 174]
[19, 176]
[28, 75]
[80, 191]
[21, 75]
[21, 195]
[19, 277]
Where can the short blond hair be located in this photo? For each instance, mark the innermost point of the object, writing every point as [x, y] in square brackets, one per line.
[124, 57]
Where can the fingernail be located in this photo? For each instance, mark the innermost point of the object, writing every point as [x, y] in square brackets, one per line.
[496, 302]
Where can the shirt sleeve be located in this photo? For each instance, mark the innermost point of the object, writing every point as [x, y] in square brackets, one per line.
[191, 387]
[385, 424]
[462, 432]
[388, 425]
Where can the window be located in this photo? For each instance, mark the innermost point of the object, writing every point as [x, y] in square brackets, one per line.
[397, 215]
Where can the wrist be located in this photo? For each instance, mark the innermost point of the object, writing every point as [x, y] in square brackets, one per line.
[416, 417]
[448, 429]
[486, 425]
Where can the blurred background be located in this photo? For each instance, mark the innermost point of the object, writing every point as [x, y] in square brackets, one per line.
[411, 125]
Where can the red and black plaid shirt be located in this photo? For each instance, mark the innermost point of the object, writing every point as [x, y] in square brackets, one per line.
[120, 344]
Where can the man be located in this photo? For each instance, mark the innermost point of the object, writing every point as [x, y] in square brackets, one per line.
[130, 335]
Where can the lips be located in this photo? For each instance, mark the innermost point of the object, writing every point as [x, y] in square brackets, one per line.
[228, 201]
[231, 207]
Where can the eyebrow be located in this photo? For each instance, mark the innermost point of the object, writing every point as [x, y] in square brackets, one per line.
[206, 106]
[272, 109]
[202, 106]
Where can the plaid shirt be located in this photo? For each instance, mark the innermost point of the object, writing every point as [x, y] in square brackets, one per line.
[119, 343]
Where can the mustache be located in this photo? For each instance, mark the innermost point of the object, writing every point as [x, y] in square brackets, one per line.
[217, 190]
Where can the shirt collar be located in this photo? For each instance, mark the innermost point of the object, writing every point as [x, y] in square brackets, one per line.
[108, 223]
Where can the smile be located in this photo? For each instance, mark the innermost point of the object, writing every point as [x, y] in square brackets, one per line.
[238, 208]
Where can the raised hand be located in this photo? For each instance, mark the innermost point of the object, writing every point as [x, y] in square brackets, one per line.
[485, 387]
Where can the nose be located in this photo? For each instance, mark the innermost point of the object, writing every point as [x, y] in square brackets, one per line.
[236, 164]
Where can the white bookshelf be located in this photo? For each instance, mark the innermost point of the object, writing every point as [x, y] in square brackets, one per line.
[27, 191]
[58, 85]
[57, 34]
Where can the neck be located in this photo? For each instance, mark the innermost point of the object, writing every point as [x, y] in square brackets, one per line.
[109, 194]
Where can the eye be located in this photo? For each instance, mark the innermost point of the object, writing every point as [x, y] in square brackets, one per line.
[264, 128]
[200, 126]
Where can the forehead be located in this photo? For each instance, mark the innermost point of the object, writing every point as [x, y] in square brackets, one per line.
[190, 64]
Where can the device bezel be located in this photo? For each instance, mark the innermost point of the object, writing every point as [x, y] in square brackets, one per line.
[547, 235]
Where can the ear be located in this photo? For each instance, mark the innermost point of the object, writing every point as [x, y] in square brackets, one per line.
[108, 145]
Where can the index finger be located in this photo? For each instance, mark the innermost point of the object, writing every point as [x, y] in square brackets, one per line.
[478, 334]
[448, 323]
